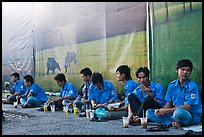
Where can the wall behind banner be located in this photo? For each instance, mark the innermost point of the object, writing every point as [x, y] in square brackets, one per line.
[68, 36]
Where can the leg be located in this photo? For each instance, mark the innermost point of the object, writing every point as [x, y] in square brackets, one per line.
[112, 115]
[181, 117]
[12, 99]
[134, 104]
[148, 103]
[162, 120]
[32, 101]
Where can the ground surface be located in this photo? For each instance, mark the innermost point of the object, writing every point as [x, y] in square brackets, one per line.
[30, 121]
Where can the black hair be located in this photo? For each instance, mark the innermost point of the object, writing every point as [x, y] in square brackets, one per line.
[60, 77]
[16, 75]
[29, 78]
[97, 78]
[184, 63]
[145, 70]
[126, 70]
[86, 71]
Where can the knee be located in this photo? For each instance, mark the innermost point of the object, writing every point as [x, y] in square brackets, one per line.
[149, 113]
[30, 100]
[131, 97]
[179, 112]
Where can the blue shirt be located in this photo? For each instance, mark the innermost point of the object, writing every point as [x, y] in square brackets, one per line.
[19, 87]
[129, 87]
[157, 92]
[187, 94]
[103, 95]
[37, 92]
[68, 90]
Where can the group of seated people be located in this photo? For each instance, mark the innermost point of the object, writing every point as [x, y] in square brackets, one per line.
[179, 106]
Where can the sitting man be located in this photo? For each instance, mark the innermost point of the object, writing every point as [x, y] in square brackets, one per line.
[102, 92]
[148, 95]
[183, 107]
[82, 99]
[68, 93]
[35, 96]
[18, 88]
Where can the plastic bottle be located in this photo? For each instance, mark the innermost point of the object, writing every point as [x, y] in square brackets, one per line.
[45, 107]
[75, 109]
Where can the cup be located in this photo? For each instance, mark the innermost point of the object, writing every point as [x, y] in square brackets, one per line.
[6, 84]
[125, 122]
[15, 104]
[87, 113]
[52, 107]
[65, 109]
[91, 113]
[143, 122]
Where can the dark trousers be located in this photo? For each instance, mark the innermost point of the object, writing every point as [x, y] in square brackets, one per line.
[137, 107]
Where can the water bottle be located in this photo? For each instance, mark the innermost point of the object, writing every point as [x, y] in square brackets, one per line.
[45, 107]
[75, 109]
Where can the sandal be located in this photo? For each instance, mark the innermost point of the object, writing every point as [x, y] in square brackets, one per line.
[158, 128]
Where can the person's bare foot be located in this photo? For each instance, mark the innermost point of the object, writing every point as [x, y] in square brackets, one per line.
[136, 119]
[176, 124]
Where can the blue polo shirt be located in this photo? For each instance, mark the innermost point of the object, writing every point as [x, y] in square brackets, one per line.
[187, 94]
[68, 90]
[129, 87]
[37, 92]
[103, 95]
[19, 87]
[157, 92]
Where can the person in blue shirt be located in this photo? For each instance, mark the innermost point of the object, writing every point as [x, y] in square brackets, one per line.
[101, 92]
[148, 95]
[82, 100]
[35, 96]
[68, 93]
[123, 74]
[183, 105]
[18, 88]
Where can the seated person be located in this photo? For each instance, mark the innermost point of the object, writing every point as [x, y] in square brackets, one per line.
[102, 93]
[123, 74]
[18, 88]
[82, 99]
[148, 95]
[35, 96]
[183, 107]
[68, 93]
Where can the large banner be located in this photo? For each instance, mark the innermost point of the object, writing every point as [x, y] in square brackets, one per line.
[68, 36]
[176, 34]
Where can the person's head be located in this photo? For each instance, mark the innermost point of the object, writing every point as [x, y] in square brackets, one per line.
[28, 80]
[142, 75]
[86, 74]
[60, 79]
[15, 77]
[123, 73]
[184, 68]
[97, 80]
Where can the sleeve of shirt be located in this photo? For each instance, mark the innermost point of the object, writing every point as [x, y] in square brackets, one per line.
[160, 94]
[13, 90]
[70, 91]
[113, 95]
[191, 96]
[168, 93]
[90, 94]
[21, 87]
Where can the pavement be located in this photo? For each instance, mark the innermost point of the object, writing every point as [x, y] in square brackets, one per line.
[30, 121]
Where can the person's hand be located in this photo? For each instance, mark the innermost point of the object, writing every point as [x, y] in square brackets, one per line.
[160, 112]
[6, 84]
[147, 90]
